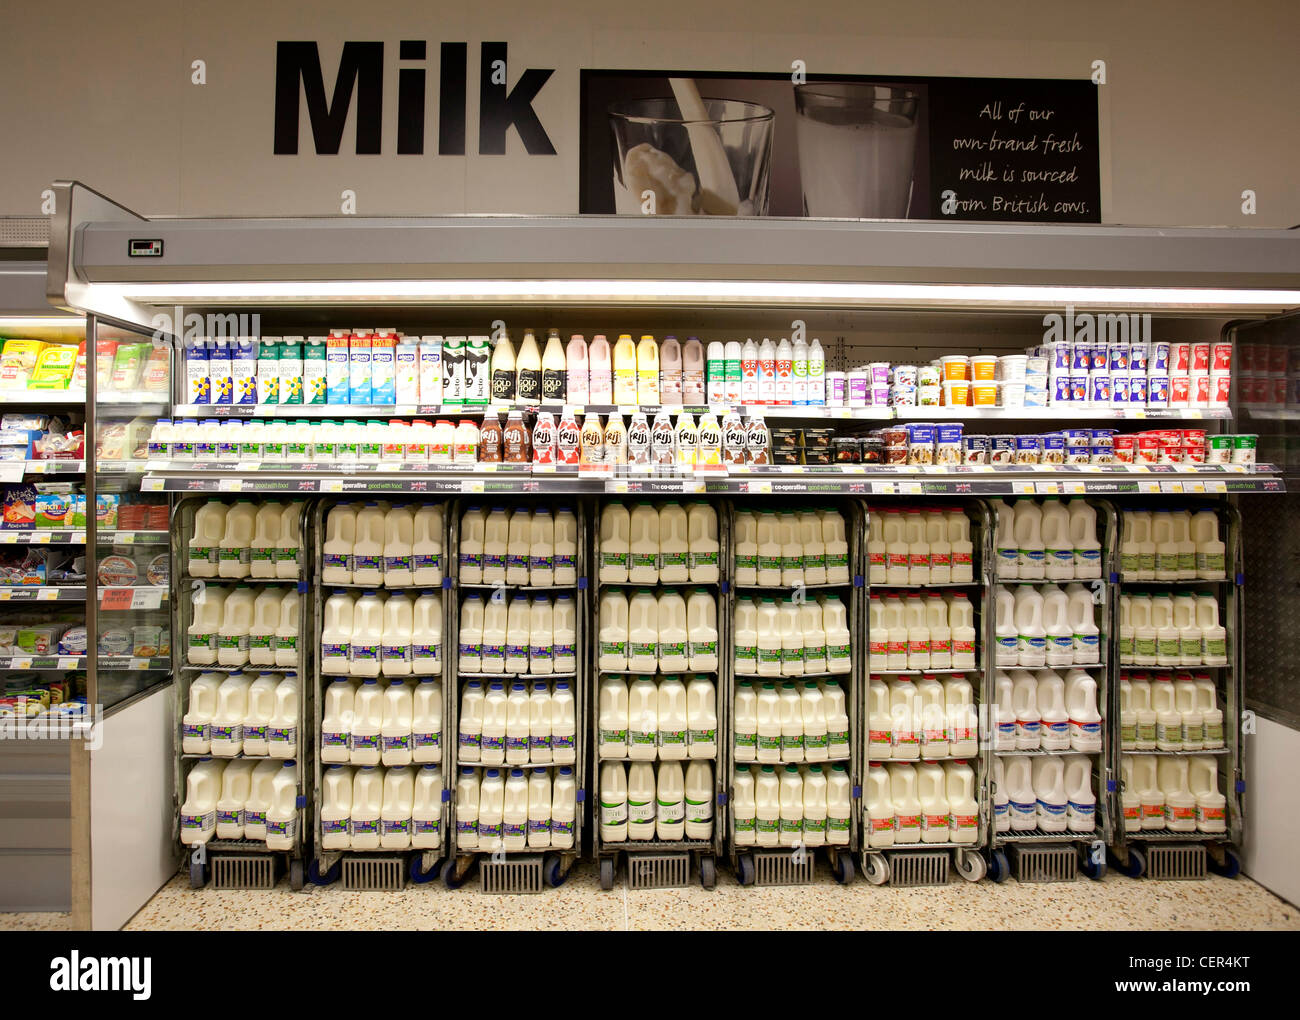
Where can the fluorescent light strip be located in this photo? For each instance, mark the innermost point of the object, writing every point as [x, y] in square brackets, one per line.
[703, 291]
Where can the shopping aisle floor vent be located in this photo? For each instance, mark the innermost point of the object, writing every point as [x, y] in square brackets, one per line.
[513, 875]
[1177, 860]
[919, 867]
[658, 871]
[783, 868]
[374, 874]
[1047, 863]
[246, 871]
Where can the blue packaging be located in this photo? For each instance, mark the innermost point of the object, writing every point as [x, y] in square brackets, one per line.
[1158, 357]
[949, 432]
[198, 377]
[1062, 391]
[1080, 358]
[1137, 387]
[1078, 437]
[1103, 437]
[1119, 388]
[1099, 387]
[1002, 449]
[1053, 448]
[1062, 354]
[1117, 357]
[1079, 387]
[1137, 356]
[920, 433]
[1029, 449]
[974, 449]
[219, 370]
[243, 370]
[1102, 455]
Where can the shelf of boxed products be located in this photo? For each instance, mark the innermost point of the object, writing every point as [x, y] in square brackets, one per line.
[869, 412]
[841, 479]
[42, 593]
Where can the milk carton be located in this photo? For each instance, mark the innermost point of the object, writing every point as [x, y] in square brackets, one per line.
[430, 370]
[359, 368]
[383, 344]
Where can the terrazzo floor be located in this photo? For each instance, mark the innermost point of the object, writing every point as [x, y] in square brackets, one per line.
[1117, 903]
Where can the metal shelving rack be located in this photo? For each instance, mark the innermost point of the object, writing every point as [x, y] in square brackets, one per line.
[783, 865]
[369, 872]
[255, 856]
[655, 862]
[926, 863]
[1055, 856]
[1163, 853]
[529, 869]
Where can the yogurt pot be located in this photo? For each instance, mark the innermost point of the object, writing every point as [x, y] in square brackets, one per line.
[1243, 448]
[902, 395]
[1201, 357]
[974, 449]
[1011, 394]
[1081, 360]
[1148, 448]
[1119, 394]
[920, 446]
[1053, 448]
[1029, 449]
[1180, 356]
[927, 375]
[1220, 388]
[879, 373]
[1079, 388]
[1078, 438]
[1011, 367]
[1194, 454]
[1137, 356]
[1137, 387]
[954, 367]
[879, 396]
[1158, 357]
[947, 443]
[1100, 352]
[956, 392]
[1062, 355]
[1277, 357]
[984, 367]
[1036, 366]
[1002, 450]
[1180, 390]
[1099, 387]
[928, 396]
[1102, 455]
[1200, 395]
[1062, 392]
[1219, 450]
[905, 375]
[1221, 356]
[836, 395]
[1103, 437]
[1171, 454]
[1035, 396]
[1157, 391]
[857, 388]
[1125, 449]
[984, 393]
[1118, 357]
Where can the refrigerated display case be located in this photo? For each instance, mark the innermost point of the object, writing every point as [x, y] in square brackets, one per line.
[904, 293]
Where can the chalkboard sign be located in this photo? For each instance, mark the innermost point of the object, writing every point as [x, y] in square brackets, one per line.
[1014, 149]
[1010, 149]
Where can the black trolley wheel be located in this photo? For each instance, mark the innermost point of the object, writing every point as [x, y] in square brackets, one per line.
[453, 875]
[296, 874]
[999, 866]
[1136, 866]
[842, 868]
[554, 871]
[746, 872]
[418, 875]
[198, 874]
[708, 873]
[607, 873]
[316, 877]
[1231, 866]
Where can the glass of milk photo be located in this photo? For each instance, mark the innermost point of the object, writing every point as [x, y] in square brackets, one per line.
[691, 156]
[856, 146]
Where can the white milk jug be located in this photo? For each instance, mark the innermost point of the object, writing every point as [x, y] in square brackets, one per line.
[1058, 548]
[228, 720]
[427, 566]
[336, 633]
[564, 635]
[563, 808]
[745, 723]
[1031, 636]
[540, 750]
[368, 549]
[768, 573]
[613, 803]
[235, 633]
[199, 809]
[643, 544]
[839, 805]
[473, 536]
[744, 810]
[196, 724]
[496, 546]
[426, 722]
[702, 718]
[1049, 789]
[467, 800]
[673, 650]
[398, 635]
[674, 544]
[1083, 538]
[282, 732]
[963, 808]
[615, 536]
[641, 801]
[961, 625]
[1007, 551]
[336, 807]
[1054, 725]
[539, 809]
[791, 818]
[612, 623]
[398, 807]
[643, 631]
[767, 807]
[879, 808]
[1085, 720]
[364, 740]
[745, 547]
[932, 793]
[1007, 634]
[1056, 622]
[367, 635]
[236, 781]
[336, 724]
[701, 630]
[266, 536]
[398, 724]
[541, 634]
[518, 715]
[426, 635]
[234, 556]
[907, 806]
[426, 809]
[469, 642]
[518, 545]
[203, 550]
[1081, 802]
[286, 631]
[514, 813]
[399, 547]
